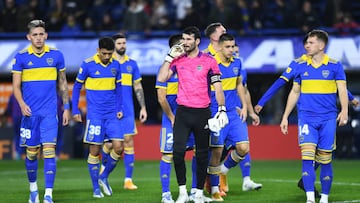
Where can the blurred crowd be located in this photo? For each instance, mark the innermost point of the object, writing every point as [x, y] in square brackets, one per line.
[242, 16]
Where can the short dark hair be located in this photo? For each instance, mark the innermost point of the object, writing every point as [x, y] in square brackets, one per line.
[211, 29]
[118, 36]
[192, 30]
[35, 23]
[106, 43]
[174, 39]
[226, 37]
[320, 34]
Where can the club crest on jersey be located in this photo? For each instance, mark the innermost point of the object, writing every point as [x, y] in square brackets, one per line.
[288, 70]
[49, 61]
[128, 69]
[113, 71]
[236, 70]
[325, 73]
[199, 68]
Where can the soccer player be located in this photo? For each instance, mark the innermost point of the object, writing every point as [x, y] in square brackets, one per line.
[167, 93]
[195, 71]
[235, 133]
[213, 32]
[101, 75]
[285, 77]
[131, 79]
[37, 73]
[318, 79]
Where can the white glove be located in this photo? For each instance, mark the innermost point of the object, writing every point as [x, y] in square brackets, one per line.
[214, 125]
[175, 51]
[221, 116]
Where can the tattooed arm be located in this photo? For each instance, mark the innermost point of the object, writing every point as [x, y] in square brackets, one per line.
[139, 91]
[64, 93]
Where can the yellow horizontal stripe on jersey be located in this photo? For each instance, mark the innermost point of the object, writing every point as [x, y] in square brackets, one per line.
[100, 83]
[229, 83]
[318, 86]
[39, 74]
[172, 88]
[126, 79]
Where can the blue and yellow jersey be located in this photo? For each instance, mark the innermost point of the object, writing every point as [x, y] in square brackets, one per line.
[318, 88]
[210, 50]
[230, 74]
[100, 85]
[290, 71]
[38, 78]
[171, 87]
[130, 74]
[243, 74]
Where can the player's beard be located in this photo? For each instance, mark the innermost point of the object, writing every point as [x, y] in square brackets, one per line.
[190, 48]
[121, 52]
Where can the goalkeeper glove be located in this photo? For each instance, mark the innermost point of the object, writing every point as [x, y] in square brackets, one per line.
[175, 51]
[221, 116]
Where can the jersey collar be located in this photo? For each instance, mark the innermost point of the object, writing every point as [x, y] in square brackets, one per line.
[98, 61]
[31, 50]
[211, 49]
[325, 60]
[218, 60]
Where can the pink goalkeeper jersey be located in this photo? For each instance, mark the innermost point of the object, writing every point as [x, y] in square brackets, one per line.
[194, 79]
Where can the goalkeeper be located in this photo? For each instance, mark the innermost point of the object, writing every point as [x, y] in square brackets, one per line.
[195, 70]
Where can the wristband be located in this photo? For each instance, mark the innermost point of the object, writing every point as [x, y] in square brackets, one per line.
[66, 106]
[222, 108]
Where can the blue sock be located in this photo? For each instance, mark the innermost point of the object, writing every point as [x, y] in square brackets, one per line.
[229, 162]
[94, 167]
[165, 170]
[31, 169]
[110, 165]
[245, 165]
[326, 177]
[308, 175]
[49, 171]
[214, 179]
[129, 159]
[104, 155]
[193, 171]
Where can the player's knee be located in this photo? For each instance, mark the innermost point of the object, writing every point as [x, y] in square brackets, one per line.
[323, 157]
[115, 154]
[308, 154]
[236, 157]
[31, 155]
[167, 158]
[242, 149]
[49, 152]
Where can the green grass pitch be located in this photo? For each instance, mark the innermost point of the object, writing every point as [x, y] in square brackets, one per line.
[279, 179]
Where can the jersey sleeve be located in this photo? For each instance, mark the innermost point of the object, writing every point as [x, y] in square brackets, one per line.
[290, 72]
[82, 74]
[17, 64]
[61, 62]
[136, 72]
[340, 73]
[214, 67]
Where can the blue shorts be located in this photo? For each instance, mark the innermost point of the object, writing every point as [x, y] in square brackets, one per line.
[167, 139]
[233, 133]
[37, 130]
[97, 131]
[129, 126]
[320, 133]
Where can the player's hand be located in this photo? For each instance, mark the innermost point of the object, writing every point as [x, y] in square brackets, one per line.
[255, 119]
[355, 102]
[119, 114]
[257, 108]
[342, 118]
[242, 113]
[175, 51]
[143, 115]
[66, 117]
[77, 117]
[25, 110]
[221, 116]
[284, 126]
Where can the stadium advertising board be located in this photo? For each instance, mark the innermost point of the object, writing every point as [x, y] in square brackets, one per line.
[259, 54]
